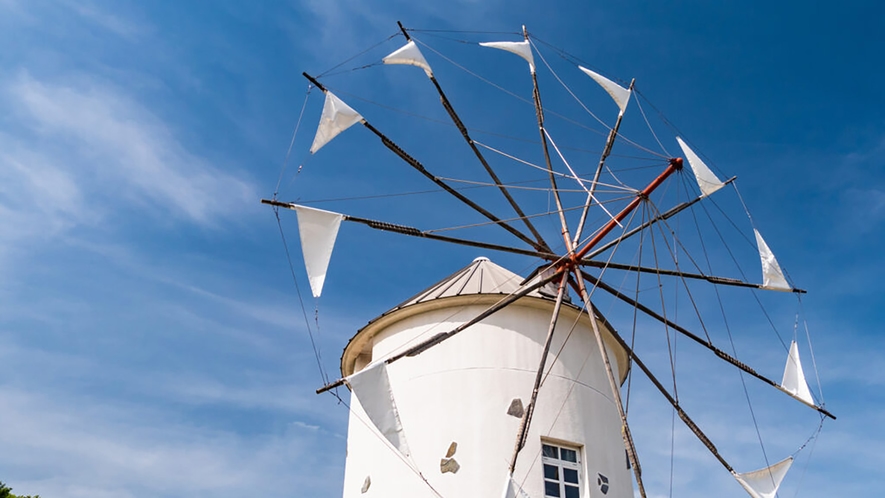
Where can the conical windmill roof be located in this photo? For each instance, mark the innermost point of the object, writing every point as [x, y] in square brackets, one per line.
[480, 281]
[482, 276]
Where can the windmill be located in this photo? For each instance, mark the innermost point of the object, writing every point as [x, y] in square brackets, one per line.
[488, 382]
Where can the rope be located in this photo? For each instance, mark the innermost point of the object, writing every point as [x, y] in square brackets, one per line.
[813, 439]
[730, 337]
[412, 30]
[523, 99]
[679, 133]
[652, 130]
[580, 182]
[820, 387]
[621, 136]
[635, 309]
[744, 277]
[541, 168]
[292, 142]
[336, 66]
[569, 90]
[546, 213]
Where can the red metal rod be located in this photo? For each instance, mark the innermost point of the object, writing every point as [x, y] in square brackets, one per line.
[675, 165]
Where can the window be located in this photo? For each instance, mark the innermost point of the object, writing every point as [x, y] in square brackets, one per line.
[562, 471]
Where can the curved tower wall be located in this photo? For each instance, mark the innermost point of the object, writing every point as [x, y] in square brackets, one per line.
[460, 392]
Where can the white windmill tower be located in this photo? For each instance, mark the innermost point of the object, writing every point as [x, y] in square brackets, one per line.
[459, 404]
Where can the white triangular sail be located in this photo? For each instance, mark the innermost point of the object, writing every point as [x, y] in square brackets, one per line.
[512, 489]
[619, 94]
[764, 483]
[411, 55]
[772, 275]
[337, 117]
[794, 377]
[707, 180]
[522, 49]
[371, 386]
[318, 230]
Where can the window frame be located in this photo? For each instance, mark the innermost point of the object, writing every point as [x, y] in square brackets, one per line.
[560, 464]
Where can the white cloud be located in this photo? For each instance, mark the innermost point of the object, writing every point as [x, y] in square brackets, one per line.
[85, 449]
[104, 142]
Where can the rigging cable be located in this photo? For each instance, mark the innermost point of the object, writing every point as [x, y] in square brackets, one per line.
[525, 100]
[546, 213]
[675, 253]
[676, 131]
[811, 350]
[743, 275]
[472, 130]
[313, 342]
[645, 212]
[336, 66]
[631, 142]
[728, 329]
[652, 130]
[292, 142]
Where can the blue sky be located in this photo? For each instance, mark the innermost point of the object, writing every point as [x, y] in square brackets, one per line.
[151, 337]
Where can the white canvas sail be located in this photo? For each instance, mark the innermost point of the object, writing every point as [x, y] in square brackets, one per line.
[371, 386]
[765, 483]
[707, 180]
[337, 117]
[411, 55]
[512, 489]
[318, 230]
[794, 377]
[772, 275]
[619, 94]
[522, 49]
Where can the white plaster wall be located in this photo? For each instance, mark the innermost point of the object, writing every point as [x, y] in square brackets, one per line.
[459, 391]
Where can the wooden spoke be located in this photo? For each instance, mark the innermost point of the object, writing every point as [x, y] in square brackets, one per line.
[676, 273]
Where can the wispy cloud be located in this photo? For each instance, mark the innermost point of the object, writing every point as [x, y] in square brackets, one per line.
[118, 25]
[116, 150]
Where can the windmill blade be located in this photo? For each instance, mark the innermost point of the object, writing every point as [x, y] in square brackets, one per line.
[411, 55]
[764, 483]
[415, 232]
[619, 94]
[522, 49]
[707, 180]
[336, 118]
[371, 386]
[772, 275]
[794, 377]
[317, 230]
